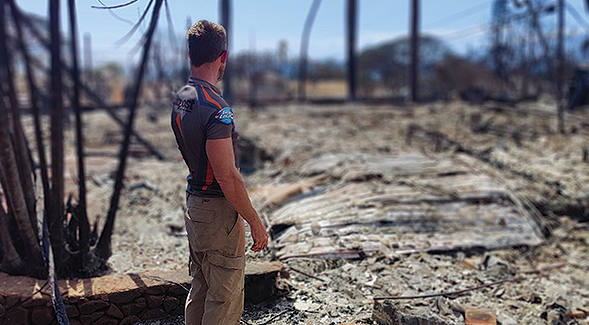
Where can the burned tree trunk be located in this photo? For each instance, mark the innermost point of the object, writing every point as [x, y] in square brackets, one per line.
[20, 147]
[103, 248]
[84, 227]
[34, 98]
[13, 179]
[55, 215]
[18, 204]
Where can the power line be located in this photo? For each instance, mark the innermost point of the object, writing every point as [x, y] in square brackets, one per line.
[461, 14]
[576, 15]
[453, 36]
[467, 32]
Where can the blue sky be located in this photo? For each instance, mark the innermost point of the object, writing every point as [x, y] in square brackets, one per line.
[261, 24]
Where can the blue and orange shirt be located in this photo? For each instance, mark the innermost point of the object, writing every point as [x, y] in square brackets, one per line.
[199, 114]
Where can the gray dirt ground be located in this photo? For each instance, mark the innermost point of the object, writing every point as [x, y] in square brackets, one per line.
[149, 230]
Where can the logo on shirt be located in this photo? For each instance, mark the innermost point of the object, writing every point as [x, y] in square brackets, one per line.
[225, 115]
[184, 105]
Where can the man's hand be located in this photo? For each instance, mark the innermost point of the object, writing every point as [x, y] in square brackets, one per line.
[260, 237]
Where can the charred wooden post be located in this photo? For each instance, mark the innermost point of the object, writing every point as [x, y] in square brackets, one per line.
[55, 215]
[413, 74]
[560, 73]
[305, 49]
[226, 22]
[103, 248]
[352, 18]
[84, 227]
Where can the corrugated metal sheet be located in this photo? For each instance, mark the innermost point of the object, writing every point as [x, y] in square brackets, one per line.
[396, 205]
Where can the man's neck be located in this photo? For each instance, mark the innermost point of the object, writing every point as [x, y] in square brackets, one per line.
[205, 72]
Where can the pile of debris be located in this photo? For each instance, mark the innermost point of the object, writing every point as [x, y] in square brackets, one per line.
[384, 214]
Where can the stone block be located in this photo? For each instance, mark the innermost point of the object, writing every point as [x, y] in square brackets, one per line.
[34, 303]
[124, 297]
[154, 301]
[2, 299]
[141, 300]
[17, 316]
[156, 291]
[72, 311]
[11, 301]
[171, 303]
[90, 318]
[260, 286]
[92, 306]
[75, 322]
[153, 314]
[106, 321]
[177, 290]
[130, 320]
[133, 308]
[2, 311]
[115, 311]
[42, 315]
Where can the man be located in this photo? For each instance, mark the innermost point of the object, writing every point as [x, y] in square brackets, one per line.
[216, 196]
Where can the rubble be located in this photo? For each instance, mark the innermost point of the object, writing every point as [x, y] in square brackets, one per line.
[494, 170]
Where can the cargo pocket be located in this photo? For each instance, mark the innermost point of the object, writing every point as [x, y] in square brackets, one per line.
[201, 215]
[233, 223]
[226, 276]
[201, 229]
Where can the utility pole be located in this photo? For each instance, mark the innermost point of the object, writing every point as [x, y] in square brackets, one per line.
[413, 73]
[226, 22]
[352, 9]
[88, 59]
[561, 67]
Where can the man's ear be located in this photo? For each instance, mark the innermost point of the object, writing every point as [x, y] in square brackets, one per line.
[224, 56]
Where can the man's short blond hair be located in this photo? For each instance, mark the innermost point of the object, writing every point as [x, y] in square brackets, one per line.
[206, 42]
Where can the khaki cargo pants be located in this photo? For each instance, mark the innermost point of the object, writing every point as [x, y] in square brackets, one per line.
[216, 236]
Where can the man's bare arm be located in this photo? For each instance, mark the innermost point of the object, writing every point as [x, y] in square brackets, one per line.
[222, 159]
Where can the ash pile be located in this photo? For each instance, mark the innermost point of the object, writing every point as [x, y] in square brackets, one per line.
[421, 216]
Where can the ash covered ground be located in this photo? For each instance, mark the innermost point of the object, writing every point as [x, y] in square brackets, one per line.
[518, 145]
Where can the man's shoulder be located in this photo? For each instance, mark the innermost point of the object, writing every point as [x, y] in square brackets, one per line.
[186, 99]
[209, 96]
